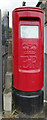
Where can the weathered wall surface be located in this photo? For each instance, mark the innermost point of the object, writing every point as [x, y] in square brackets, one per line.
[0, 66]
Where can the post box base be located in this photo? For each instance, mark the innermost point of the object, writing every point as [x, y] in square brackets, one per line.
[28, 102]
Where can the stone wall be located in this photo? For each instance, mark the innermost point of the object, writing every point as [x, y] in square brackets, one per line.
[46, 12]
[7, 96]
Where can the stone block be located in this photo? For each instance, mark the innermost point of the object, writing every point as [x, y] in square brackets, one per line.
[9, 64]
[10, 47]
[0, 116]
[7, 101]
[8, 80]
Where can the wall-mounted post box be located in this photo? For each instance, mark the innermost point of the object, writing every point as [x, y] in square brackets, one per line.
[28, 58]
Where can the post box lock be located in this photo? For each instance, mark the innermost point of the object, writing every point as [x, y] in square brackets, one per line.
[40, 53]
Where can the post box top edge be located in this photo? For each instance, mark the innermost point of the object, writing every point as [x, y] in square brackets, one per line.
[28, 9]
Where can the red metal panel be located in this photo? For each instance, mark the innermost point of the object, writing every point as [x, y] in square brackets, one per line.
[28, 54]
[28, 9]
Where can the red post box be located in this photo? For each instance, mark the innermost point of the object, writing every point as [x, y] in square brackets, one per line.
[28, 58]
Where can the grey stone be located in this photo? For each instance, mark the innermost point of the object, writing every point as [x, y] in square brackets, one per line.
[7, 100]
[0, 66]
[8, 80]
[9, 64]
[10, 47]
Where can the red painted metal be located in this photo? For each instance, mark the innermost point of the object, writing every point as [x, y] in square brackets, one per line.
[28, 54]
